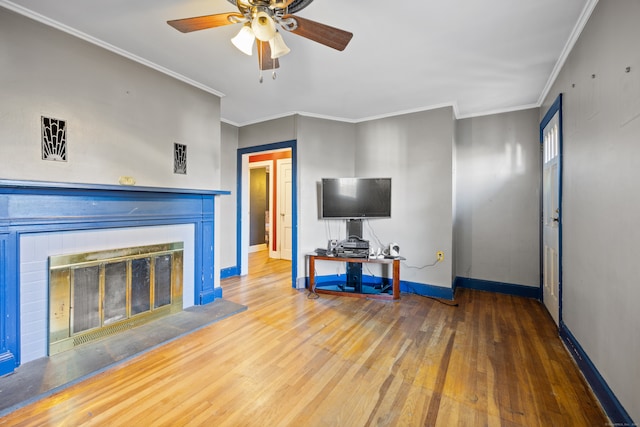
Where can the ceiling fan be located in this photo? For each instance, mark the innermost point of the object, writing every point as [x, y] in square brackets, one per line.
[262, 20]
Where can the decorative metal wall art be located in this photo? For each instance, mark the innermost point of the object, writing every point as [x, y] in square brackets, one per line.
[54, 139]
[179, 158]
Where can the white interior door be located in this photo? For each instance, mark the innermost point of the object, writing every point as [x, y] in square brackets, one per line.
[285, 231]
[551, 217]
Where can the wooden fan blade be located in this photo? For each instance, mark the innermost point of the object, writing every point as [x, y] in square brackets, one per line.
[321, 33]
[188, 25]
[264, 56]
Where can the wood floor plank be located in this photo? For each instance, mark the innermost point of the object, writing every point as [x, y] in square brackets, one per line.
[291, 360]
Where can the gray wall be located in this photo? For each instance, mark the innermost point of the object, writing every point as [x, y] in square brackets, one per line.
[326, 149]
[269, 132]
[497, 197]
[122, 117]
[228, 204]
[600, 194]
[416, 151]
[491, 174]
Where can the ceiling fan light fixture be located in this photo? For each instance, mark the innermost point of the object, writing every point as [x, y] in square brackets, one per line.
[262, 20]
[278, 46]
[245, 39]
[263, 26]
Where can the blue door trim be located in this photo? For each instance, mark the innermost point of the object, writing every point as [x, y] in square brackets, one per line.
[609, 402]
[294, 201]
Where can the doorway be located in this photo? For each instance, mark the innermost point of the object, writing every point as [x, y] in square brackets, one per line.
[551, 234]
[260, 196]
[281, 218]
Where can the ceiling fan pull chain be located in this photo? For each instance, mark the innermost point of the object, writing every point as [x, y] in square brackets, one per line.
[260, 76]
[273, 75]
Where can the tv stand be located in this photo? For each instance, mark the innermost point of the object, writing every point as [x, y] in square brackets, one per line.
[354, 270]
[355, 280]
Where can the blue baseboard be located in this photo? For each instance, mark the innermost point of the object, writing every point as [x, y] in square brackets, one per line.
[441, 292]
[498, 287]
[229, 272]
[610, 403]
[366, 279]
[210, 296]
[407, 287]
[7, 363]
[426, 290]
[217, 293]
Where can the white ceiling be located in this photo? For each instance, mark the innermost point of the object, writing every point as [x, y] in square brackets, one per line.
[480, 57]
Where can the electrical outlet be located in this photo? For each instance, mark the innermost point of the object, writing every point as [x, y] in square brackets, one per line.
[440, 256]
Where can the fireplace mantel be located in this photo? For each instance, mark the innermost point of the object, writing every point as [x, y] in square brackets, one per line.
[28, 207]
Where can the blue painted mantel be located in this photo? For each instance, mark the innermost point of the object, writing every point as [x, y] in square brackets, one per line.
[36, 207]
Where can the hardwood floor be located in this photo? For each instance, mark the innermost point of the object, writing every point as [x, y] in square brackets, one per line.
[290, 360]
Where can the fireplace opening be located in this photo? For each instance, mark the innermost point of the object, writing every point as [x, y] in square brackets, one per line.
[96, 294]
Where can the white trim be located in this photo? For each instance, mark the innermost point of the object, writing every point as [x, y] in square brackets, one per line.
[453, 105]
[244, 216]
[575, 34]
[573, 38]
[499, 111]
[456, 114]
[261, 164]
[79, 34]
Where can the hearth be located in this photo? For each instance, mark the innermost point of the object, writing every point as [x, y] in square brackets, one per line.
[96, 294]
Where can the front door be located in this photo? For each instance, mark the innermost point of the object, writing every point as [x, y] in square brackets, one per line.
[551, 214]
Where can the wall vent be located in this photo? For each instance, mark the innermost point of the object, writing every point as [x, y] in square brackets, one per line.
[179, 159]
[54, 139]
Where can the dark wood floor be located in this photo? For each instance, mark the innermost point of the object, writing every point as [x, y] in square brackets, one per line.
[290, 360]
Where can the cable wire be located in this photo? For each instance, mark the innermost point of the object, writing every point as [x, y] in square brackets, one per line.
[312, 294]
[420, 268]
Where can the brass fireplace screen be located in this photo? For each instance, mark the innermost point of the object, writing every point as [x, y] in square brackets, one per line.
[96, 294]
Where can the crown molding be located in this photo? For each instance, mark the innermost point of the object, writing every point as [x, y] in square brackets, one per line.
[453, 105]
[573, 38]
[499, 111]
[79, 34]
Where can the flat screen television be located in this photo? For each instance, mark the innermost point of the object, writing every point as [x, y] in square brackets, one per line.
[355, 198]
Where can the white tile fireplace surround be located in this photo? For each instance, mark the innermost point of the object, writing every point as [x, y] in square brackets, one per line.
[36, 248]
